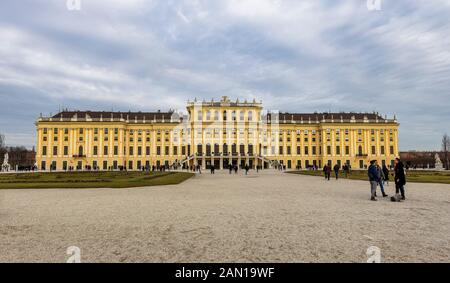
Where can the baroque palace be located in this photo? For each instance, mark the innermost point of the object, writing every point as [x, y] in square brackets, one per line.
[213, 133]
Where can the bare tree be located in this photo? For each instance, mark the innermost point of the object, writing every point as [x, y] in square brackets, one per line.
[445, 149]
[2, 147]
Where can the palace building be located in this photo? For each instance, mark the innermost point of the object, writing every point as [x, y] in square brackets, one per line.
[213, 133]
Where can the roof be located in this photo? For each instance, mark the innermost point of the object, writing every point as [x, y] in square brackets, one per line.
[330, 116]
[115, 115]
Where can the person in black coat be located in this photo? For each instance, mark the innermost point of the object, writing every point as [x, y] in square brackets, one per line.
[399, 178]
[386, 174]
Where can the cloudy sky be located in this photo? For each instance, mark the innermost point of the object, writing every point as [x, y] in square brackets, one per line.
[296, 56]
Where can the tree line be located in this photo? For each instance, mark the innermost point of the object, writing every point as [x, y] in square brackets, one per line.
[19, 156]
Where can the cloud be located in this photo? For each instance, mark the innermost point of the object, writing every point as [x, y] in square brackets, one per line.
[296, 56]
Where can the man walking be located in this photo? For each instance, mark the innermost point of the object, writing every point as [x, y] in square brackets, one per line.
[399, 178]
[336, 171]
[373, 179]
[380, 176]
[386, 174]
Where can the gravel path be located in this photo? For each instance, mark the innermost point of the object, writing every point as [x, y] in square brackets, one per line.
[270, 217]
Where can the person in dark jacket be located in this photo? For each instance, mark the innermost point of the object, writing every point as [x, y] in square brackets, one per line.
[374, 179]
[327, 171]
[336, 170]
[386, 174]
[399, 178]
[381, 179]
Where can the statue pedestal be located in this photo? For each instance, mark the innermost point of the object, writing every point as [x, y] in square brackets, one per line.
[438, 165]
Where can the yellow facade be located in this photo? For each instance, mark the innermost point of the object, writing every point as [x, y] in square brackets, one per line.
[213, 133]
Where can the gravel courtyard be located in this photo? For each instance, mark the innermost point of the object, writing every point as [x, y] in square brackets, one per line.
[266, 217]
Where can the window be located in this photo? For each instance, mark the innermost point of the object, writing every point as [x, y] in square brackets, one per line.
[329, 150]
[131, 151]
[95, 151]
[338, 150]
[105, 165]
[55, 150]
[55, 131]
[147, 150]
[347, 150]
[392, 150]
[66, 150]
[382, 150]
[250, 115]
[105, 150]
[298, 150]
[374, 150]
[281, 150]
[208, 115]
[216, 115]
[158, 150]
[80, 150]
[306, 150]
[81, 131]
[139, 150]
[199, 115]
[242, 115]
[289, 150]
[314, 150]
[166, 150]
[175, 150]
[116, 150]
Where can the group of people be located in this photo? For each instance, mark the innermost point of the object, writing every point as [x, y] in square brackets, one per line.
[379, 176]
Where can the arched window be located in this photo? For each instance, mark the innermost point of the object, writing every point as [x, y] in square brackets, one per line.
[199, 115]
[225, 115]
[242, 149]
[216, 149]
[225, 149]
[234, 149]
[242, 115]
[233, 116]
[250, 149]
[216, 115]
[208, 115]
[208, 150]
[199, 149]
[250, 115]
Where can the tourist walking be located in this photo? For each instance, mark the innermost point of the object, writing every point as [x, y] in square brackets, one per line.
[246, 169]
[381, 179]
[327, 172]
[373, 179]
[213, 169]
[399, 178]
[230, 168]
[336, 171]
[386, 174]
[235, 169]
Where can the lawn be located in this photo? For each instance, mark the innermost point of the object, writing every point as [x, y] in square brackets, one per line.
[91, 179]
[411, 176]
